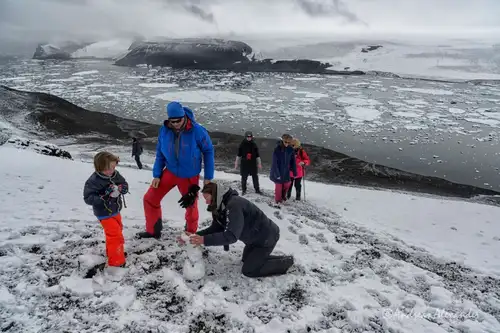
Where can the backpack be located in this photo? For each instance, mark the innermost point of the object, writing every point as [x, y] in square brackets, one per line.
[301, 154]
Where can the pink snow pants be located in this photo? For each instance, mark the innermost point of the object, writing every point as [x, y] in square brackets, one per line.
[280, 191]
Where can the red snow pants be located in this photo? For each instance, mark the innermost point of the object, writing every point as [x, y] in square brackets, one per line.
[154, 196]
[114, 240]
[280, 191]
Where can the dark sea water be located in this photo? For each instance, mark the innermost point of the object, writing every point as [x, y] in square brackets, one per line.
[442, 129]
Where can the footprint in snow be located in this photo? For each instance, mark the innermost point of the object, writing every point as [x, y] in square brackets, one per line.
[332, 251]
[303, 239]
[296, 223]
[319, 237]
[381, 299]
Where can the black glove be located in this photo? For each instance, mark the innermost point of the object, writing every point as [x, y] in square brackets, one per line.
[189, 198]
[226, 247]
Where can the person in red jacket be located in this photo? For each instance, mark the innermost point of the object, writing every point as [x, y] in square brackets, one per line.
[301, 159]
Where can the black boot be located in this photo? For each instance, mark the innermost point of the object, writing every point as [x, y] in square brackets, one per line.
[145, 234]
[158, 227]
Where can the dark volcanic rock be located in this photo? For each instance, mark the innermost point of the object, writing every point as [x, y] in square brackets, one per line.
[43, 148]
[61, 118]
[304, 66]
[216, 54]
[370, 48]
[38, 113]
[186, 53]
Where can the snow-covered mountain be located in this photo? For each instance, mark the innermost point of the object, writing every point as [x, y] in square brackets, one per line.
[105, 49]
[418, 56]
[366, 261]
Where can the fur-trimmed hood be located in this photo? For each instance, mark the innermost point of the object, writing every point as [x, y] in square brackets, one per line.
[223, 194]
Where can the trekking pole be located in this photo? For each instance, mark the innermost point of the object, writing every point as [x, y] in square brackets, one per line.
[304, 181]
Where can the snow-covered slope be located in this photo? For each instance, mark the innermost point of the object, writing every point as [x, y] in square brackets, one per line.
[460, 61]
[359, 268]
[107, 49]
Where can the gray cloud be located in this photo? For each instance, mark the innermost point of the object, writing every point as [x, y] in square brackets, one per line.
[328, 8]
[200, 12]
[32, 21]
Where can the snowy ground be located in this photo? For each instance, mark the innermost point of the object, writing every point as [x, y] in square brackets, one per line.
[366, 261]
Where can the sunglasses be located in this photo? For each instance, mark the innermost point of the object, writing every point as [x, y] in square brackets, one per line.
[175, 121]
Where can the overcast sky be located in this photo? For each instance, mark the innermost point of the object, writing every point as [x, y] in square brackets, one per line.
[37, 20]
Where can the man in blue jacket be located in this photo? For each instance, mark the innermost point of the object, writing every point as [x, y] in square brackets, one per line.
[181, 144]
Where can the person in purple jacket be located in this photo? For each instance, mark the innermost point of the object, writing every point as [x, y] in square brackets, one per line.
[283, 163]
[236, 218]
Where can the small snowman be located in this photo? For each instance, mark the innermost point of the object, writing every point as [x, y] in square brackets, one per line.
[194, 265]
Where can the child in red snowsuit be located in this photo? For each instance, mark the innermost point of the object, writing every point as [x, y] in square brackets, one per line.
[103, 191]
[301, 160]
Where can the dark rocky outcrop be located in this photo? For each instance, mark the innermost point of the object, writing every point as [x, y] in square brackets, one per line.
[40, 147]
[42, 114]
[184, 53]
[217, 54]
[370, 48]
[303, 66]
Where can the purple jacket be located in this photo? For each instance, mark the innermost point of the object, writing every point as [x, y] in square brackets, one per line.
[283, 162]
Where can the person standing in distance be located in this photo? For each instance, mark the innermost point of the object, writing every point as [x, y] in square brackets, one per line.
[249, 160]
[182, 143]
[301, 160]
[283, 166]
[137, 151]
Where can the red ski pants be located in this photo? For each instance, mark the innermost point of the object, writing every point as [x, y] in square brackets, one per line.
[114, 240]
[154, 196]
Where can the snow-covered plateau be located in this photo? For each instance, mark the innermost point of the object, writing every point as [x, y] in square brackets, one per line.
[365, 261]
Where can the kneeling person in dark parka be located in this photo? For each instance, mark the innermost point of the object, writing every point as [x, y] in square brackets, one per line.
[235, 218]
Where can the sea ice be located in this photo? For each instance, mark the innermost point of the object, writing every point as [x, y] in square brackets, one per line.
[359, 114]
[204, 96]
[158, 85]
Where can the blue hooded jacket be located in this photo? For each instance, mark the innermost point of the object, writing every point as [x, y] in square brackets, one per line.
[194, 142]
[283, 162]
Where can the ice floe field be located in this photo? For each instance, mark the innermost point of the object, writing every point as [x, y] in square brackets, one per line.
[319, 102]
[366, 261]
[425, 127]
